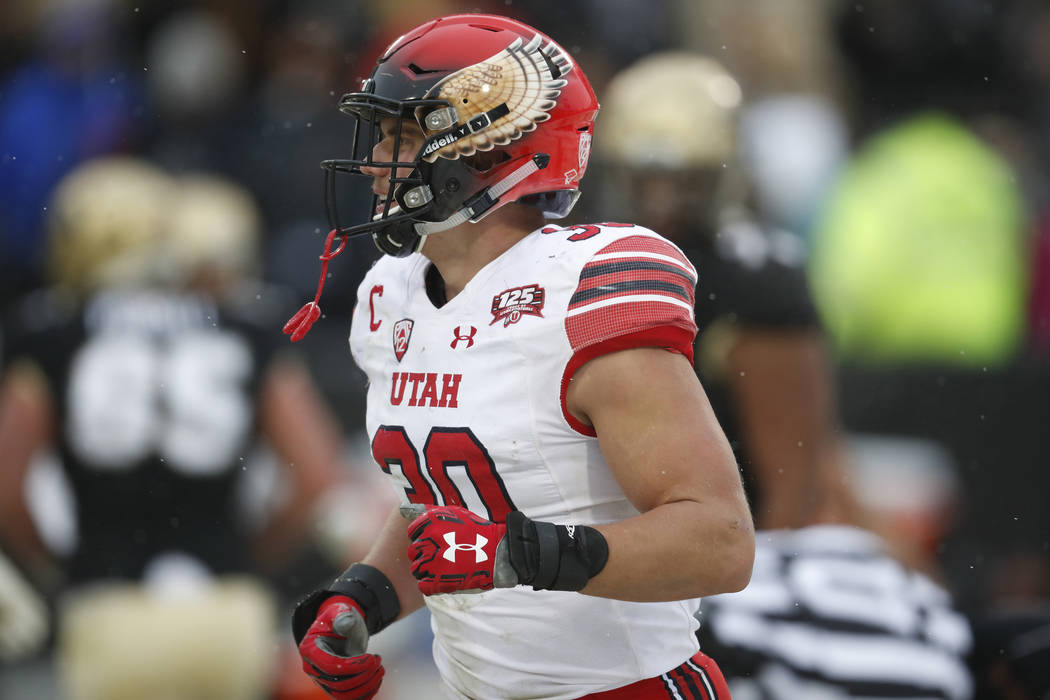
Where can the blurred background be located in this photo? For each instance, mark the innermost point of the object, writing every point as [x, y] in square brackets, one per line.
[903, 144]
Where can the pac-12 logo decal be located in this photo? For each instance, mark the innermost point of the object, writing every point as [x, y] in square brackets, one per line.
[402, 332]
[510, 304]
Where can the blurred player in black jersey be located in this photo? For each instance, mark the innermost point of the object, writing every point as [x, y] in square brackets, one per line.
[832, 611]
[760, 349]
[150, 369]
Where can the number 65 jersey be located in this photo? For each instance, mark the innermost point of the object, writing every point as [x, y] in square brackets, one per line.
[466, 406]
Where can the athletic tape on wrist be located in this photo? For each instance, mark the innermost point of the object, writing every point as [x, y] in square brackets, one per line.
[554, 557]
[366, 585]
[372, 590]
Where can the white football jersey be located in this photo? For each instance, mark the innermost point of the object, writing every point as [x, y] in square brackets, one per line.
[466, 406]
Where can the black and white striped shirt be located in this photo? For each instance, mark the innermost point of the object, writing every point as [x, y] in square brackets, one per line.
[828, 615]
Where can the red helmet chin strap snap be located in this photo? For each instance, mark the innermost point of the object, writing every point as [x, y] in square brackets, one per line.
[299, 324]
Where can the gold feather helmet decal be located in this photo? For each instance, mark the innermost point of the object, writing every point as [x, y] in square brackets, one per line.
[497, 100]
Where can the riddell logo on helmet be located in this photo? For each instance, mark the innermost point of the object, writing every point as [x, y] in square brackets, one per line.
[440, 142]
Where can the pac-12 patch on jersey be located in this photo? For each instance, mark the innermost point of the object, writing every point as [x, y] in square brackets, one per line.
[402, 334]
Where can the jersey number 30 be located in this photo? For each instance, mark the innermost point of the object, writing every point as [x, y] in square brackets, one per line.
[457, 466]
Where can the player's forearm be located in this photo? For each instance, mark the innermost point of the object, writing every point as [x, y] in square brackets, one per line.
[677, 551]
[26, 428]
[389, 554]
[285, 532]
[782, 384]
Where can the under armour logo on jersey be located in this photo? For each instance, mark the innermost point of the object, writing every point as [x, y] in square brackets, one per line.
[453, 547]
[467, 336]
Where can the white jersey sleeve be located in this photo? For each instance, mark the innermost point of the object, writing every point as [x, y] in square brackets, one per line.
[466, 406]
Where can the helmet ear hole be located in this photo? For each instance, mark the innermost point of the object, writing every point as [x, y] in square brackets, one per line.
[484, 161]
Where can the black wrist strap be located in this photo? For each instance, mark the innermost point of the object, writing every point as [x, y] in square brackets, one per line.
[366, 585]
[554, 557]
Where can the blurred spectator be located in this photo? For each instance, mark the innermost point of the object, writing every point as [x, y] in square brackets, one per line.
[773, 47]
[1039, 300]
[919, 256]
[284, 133]
[1012, 656]
[917, 55]
[276, 141]
[152, 369]
[792, 147]
[670, 146]
[196, 77]
[77, 97]
[910, 492]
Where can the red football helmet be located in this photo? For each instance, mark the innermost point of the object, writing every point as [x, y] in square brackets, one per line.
[473, 83]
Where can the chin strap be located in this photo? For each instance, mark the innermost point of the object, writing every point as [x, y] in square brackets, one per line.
[299, 324]
[480, 203]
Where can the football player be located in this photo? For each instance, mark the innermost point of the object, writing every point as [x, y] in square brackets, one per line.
[531, 395]
[831, 611]
[153, 371]
[760, 350]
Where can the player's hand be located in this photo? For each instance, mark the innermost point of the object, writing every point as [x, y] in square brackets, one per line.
[455, 551]
[333, 652]
[23, 615]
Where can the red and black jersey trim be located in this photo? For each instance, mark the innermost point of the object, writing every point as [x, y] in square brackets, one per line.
[690, 681]
[638, 291]
[596, 268]
[584, 295]
[699, 678]
[632, 273]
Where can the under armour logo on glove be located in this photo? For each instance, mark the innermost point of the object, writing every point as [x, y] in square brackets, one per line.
[453, 546]
[441, 550]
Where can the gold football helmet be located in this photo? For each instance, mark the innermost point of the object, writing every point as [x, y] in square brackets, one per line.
[106, 220]
[671, 110]
[213, 229]
[669, 141]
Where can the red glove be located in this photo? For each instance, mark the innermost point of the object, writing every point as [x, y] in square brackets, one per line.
[333, 652]
[453, 550]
